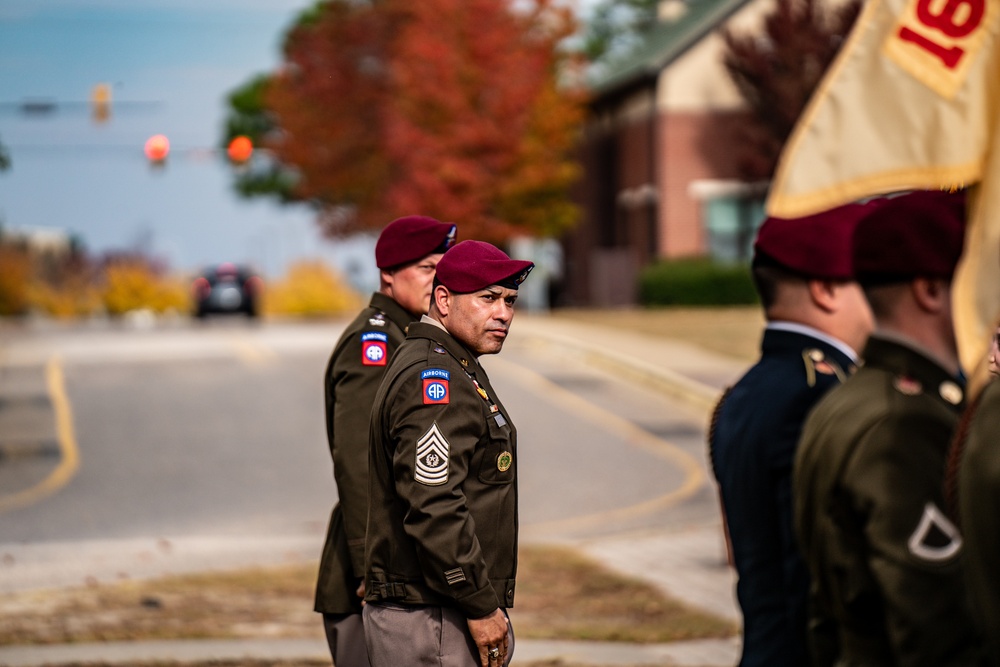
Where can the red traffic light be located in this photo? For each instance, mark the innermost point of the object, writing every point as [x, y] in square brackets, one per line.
[157, 148]
[240, 149]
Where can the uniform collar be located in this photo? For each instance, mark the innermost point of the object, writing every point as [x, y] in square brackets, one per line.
[435, 331]
[809, 332]
[395, 312]
[427, 319]
[904, 360]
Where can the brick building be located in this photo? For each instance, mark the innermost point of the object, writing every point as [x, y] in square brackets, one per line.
[656, 153]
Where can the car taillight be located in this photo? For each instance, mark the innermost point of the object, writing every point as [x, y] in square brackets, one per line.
[253, 284]
[201, 287]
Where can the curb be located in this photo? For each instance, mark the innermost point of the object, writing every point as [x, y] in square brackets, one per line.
[700, 653]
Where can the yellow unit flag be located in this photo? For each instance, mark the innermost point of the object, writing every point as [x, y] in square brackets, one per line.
[911, 102]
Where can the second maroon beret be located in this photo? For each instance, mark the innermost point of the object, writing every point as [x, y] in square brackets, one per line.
[411, 238]
[917, 234]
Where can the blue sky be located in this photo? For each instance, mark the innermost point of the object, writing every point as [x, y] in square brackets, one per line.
[92, 179]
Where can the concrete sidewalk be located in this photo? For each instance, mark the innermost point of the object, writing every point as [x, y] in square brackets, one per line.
[688, 654]
[688, 564]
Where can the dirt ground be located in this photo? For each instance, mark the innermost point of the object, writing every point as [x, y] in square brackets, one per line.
[561, 595]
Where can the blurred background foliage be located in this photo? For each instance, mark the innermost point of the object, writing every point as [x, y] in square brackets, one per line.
[133, 284]
[474, 119]
[69, 284]
[616, 27]
[15, 273]
[310, 289]
[4, 158]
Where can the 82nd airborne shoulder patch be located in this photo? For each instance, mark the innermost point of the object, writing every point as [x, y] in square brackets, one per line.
[374, 350]
[435, 386]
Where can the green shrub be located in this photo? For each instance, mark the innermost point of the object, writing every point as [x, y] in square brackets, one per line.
[696, 282]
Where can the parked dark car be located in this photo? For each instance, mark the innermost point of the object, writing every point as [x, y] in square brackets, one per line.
[227, 288]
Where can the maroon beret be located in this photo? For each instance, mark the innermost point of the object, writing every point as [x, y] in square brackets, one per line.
[474, 265]
[816, 246]
[917, 234]
[411, 238]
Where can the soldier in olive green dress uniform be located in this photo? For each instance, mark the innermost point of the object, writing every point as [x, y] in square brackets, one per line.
[407, 253]
[977, 454]
[886, 563]
[441, 552]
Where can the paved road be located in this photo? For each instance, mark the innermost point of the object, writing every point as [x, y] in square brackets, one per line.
[146, 450]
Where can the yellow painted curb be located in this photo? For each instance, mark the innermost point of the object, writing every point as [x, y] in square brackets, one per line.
[69, 460]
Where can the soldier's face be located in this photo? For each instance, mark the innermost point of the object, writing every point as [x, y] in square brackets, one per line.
[411, 285]
[995, 354]
[479, 320]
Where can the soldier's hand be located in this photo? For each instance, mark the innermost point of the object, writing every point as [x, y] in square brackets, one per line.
[361, 592]
[490, 633]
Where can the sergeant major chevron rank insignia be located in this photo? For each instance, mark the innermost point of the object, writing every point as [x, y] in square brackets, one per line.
[432, 458]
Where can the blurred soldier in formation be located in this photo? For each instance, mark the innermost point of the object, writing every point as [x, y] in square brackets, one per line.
[978, 494]
[886, 563]
[973, 490]
[818, 320]
[407, 253]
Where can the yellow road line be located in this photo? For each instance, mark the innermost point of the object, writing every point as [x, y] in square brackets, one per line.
[252, 354]
[694, 475]
[69, 460]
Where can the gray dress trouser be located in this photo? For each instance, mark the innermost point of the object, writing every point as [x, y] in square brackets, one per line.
[345, 635]
[425, 636]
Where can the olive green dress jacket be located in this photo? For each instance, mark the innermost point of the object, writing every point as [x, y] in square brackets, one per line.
[979, 510]
[442, 524]
[885, 561]
[350, 382]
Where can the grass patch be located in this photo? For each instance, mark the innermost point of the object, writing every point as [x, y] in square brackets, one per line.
[566, 596]
[560, 595]
[734, 331]
[251, 603]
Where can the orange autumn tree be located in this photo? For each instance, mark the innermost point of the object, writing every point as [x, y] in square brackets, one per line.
[324, 106]
[450, 108]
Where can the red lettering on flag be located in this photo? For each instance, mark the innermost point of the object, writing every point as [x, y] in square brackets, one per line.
[954, 20]
[948, 19]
